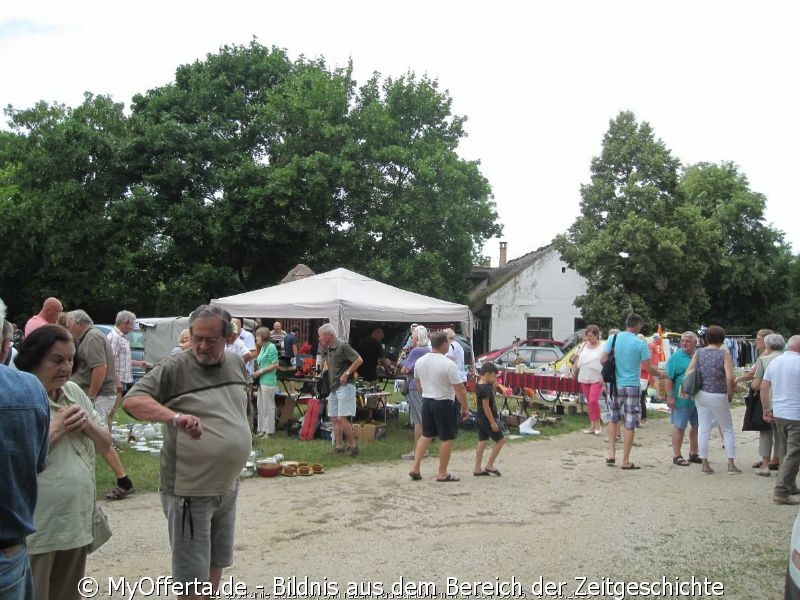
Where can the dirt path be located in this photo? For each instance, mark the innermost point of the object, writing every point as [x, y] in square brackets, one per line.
[558, 513]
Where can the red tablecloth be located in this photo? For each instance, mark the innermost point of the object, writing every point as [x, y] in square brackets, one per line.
[535, 381]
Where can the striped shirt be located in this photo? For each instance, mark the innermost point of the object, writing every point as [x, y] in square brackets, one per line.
[121, 348]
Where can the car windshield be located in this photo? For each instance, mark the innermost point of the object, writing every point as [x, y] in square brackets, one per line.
[572, 340]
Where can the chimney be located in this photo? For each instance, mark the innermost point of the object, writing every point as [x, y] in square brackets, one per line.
[503, 254]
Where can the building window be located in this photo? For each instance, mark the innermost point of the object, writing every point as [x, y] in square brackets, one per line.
[579, 324]
[540, 328]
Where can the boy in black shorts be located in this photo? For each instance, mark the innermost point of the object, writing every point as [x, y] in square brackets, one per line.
[487, 421]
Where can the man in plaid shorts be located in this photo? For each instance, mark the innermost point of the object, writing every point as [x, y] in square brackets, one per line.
[631, 355]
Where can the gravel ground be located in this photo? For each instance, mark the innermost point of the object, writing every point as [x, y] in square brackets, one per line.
[558, 514]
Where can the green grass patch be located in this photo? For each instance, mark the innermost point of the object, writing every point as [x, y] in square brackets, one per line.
[143, 467]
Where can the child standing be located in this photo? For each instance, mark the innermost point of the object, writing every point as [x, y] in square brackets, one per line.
[487, 421]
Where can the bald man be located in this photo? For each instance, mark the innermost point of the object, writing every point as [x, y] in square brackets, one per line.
[47, 316]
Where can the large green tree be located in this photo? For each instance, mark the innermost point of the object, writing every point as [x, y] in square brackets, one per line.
[630, 241]
[416, 211]
[256, 163]
[749, 260]
[64, 215]
[221, 181]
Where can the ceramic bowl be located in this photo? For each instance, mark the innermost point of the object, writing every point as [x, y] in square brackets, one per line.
[267, 470]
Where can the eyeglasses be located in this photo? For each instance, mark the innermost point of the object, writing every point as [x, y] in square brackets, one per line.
[197, 339]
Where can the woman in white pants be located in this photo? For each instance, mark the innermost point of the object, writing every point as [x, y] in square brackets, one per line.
[713, 399]
[267, 376]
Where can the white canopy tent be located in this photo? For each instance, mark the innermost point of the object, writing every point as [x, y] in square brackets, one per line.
[342, 296]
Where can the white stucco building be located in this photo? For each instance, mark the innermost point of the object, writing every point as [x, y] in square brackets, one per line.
[532, 296]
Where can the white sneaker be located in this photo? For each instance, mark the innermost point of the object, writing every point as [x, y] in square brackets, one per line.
[408, 456]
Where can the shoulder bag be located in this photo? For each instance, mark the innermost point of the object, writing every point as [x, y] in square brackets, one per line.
[101, 530]
[754, 413]
[609, 370]
[693, 382]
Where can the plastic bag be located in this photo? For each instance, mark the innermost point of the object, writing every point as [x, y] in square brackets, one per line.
[526, 427]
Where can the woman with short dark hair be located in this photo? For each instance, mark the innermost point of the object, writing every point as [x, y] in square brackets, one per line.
[63, 516]
[713, 400]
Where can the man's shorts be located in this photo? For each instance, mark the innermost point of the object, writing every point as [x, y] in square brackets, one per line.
[104, 405]
[414, 401]
[342, 401]
[439, 419]
[681, 417]
[200, 533]
[626, 406]
[485, 430]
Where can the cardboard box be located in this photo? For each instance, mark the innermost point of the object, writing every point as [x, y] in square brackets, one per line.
[369, 432]
[356, 432]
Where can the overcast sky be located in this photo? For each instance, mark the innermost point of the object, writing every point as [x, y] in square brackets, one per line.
[717, 80]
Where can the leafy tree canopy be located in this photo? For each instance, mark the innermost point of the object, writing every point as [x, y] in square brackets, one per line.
[678, 247]
[223, 180]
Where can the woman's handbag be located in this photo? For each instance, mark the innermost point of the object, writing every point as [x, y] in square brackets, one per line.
[754, 413]
[693, 382]
[101, 530]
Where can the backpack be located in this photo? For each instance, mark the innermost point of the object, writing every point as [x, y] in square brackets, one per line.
[609, 370]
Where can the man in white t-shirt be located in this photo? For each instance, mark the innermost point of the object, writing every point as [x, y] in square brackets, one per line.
[456, 353]
[249, 342]
[782, 378]
[438, 380]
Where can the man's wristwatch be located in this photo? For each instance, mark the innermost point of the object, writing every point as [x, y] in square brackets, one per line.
[175, 418]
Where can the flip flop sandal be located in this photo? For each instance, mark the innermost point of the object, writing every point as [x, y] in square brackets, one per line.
[493, 472]
[695, 459]
[680, 461]
[611, 462]
[449, 478]
[415, 476]
[630, 467]
[481, 474]
[119, 493]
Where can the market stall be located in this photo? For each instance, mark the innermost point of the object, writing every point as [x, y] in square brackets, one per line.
[342, 296]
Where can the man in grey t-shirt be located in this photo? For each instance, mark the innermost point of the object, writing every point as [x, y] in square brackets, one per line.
[201, 396]
[95, 376]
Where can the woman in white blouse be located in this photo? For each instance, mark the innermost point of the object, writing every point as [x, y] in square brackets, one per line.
[590, 375]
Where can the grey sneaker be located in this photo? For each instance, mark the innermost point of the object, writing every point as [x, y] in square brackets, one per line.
[408, 456]
[785, 499]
